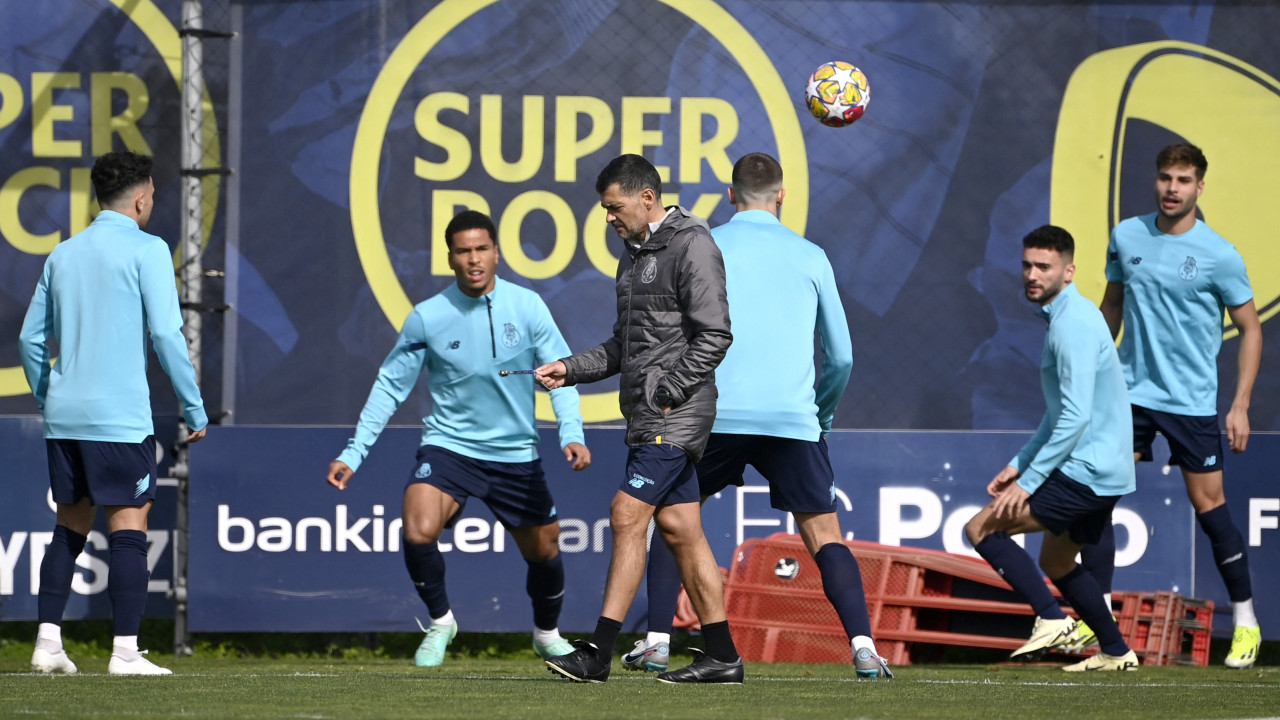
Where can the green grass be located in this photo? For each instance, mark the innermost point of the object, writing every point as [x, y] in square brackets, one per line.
[215, 684]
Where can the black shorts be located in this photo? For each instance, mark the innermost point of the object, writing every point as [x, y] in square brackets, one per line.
[1063, 505]
[516, 492]
[799, 471]
[1195, 443]
[110, 474]
[660, 475]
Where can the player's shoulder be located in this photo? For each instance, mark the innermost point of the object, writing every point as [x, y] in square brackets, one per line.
[1135, 227]
[1211, 240]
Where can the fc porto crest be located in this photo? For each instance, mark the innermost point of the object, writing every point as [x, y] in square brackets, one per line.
[1188, 271]
[510, 335]
[650, 270]
[423, 471]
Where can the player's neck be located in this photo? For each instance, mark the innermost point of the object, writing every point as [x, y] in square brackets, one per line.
[1178, 226]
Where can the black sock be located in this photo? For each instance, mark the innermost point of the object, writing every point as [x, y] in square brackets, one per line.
[842, 582]
[662, 581]
[56, 571]
[1019, 570]
[1100, 559]
[1229, 552]
[426, 570]
[127, 577]
[605, 637]
[545, 585]
[720, 642]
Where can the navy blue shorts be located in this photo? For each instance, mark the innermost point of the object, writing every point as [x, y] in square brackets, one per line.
[1195, 442]
[1063, 505]
[110, 474]
[516, 492]
[660, 475]
[799, 471]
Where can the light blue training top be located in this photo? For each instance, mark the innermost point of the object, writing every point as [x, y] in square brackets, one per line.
[101, 292]
[780, 288]
[463, 342]
[1087, 430]
[1176, 288]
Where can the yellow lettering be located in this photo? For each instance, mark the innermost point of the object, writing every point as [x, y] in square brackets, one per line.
[426, 119]
[635, 138]
[594, 233]
[532, 140]
[565, 234]
[715, 149]
[706, 204]
[11, 195]
[444, 205]
[569, 148]
[11, 99]
[82, 205]
[44, 113]
[102, 87]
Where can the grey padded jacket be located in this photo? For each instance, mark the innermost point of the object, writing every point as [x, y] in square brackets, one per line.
[671, 333]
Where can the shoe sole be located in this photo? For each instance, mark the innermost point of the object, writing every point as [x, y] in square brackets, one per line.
[563, 673]
[700, 682]
[644, 667]
[51, 670]
[1049, 643]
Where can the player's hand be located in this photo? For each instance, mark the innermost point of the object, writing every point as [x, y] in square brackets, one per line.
[198, 435]
[1002, 480]
[1238, 429]
[578, 455]
[1010, 503]
[339, 474]
[552, 375]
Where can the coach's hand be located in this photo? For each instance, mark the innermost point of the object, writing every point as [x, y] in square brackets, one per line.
[339, 474]
[552, 375]
[578, 455]
[198, 435]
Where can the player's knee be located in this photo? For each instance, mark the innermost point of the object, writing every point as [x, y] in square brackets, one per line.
[419, 532]
[973, 530]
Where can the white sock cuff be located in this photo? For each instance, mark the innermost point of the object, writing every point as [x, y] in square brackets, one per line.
[445, 619]
[654, 638]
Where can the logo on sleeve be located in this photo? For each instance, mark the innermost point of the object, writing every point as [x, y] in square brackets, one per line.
[510, 335]
[1135, 260]
[454, 345]
[1188, 271]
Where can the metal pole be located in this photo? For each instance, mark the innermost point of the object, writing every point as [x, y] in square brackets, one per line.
[191, 278]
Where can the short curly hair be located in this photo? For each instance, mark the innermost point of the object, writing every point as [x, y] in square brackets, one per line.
[116, 173]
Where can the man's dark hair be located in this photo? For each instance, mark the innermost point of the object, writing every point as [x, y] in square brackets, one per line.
[632, 174]
[116, 173]
[756, 177]
[1183, 154]
[1051, 237]
[469, 220]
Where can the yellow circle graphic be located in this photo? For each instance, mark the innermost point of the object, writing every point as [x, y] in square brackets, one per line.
[366, 155]
[164, 36]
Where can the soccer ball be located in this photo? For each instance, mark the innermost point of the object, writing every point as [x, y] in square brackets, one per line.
[837, 93]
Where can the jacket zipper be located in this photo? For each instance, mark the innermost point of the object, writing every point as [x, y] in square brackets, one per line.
[493, 341]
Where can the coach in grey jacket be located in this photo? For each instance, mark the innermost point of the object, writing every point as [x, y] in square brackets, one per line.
[671, 333]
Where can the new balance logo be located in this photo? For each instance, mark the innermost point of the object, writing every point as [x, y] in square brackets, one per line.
[639, 481]
[1209, 461]
[1233, 558]
[1135, 260]
[454, 345]
[142, 486]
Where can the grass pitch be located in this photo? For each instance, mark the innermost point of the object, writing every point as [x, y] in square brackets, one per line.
[210, 686]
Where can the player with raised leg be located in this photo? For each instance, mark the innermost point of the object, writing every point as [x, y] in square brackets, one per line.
[671, 333]
[480, 439]
[103, 292]
[1066, 480]
[1169, 277]
[781, 290]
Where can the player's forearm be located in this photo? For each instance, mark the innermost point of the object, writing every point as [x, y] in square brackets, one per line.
[1247, 363]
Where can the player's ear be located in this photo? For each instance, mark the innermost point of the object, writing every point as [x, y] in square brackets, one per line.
[782, 193]
[733, 198]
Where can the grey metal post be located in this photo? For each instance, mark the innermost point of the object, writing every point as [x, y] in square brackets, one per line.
[191, 279]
